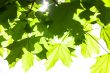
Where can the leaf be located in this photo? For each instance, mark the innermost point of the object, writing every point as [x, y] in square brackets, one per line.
[52, 57]
[27, 60]
[2, 3]
[17, 31]
[1, 39]
[107, 3]
[87, 4]
[38, 48]
[28, 28]
[104, 15]
[1, 51]
[10, 13]
[86, 14]
[105, 35]
[16, 51]
[58, 50]
[67, 0]
[102, 65]
[90, 46]
[64, 55]
[62, 17]
[24, 3]
[42, 54]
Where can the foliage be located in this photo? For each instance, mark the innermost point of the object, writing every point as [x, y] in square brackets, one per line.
[103, 63]
[27, 32]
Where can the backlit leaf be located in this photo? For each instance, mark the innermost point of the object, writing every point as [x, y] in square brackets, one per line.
[102, 65]
[105, 34]
[107, 3]
[16, 51]
[27, 60]
[58, 50]
[1, 51]
[90, 46]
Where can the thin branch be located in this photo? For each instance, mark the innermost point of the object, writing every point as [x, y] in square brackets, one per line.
[98, 43]
[94, 29]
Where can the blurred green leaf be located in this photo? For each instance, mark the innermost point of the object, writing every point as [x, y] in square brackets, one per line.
[1, 51]
[102, 65]
[62, 17]
[16, 49]
[1, 39]
[107, 3]
[105, 34]
[104, 11]
[90, 46]
[27, 60]
[17, 31]
[10, 13]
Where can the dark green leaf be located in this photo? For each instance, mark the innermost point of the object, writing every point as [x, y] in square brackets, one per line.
[16, 51]
[17, 31]
[1, 39]
[9, 13]
[62, 17]
[104, 15]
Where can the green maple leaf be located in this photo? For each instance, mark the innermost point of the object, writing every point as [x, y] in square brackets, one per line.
[105, 34]
[17, 31]
[8, 13]
[15, 52]
[59, 50]
[1, 39]
[102, 65]
[62, 21]
[104, 11]
[1, 51]
[27, 60]
[16, 49]
[90, 46]
[107, 3]
[62, 17]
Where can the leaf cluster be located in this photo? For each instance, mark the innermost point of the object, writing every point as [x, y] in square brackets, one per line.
[27, 33]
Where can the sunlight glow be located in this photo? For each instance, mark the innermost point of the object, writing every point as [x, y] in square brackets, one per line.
[44, 6]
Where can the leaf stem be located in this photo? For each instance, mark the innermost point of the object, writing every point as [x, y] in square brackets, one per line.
[98, 43]
[94, 29]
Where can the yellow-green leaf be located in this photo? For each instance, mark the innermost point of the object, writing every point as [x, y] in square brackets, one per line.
[102, 65]
[27, 60]
[107, 3]
[90, 46]
[105, 34]
[1, 51]
[58, 49]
